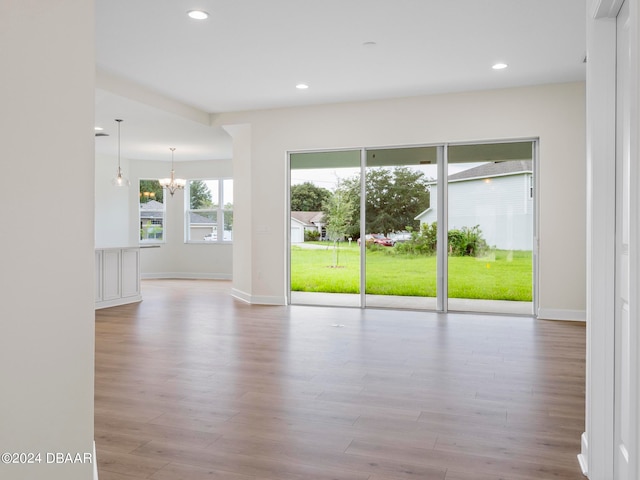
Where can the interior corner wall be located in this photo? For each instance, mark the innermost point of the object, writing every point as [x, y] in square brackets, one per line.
[553, 113]
[47, 235]
[242, 211]
[174, 258]
[112, 224]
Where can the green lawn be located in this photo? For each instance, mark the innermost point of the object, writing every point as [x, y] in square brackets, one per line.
[504, 275]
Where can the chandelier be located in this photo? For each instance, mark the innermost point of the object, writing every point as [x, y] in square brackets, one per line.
[172, 184]
[120, 180]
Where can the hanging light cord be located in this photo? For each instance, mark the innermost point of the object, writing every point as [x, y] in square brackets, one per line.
[119, 120]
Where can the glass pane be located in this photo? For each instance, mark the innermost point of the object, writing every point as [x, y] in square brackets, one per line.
[490, 234]
[325, 223]
[203, 194]
[228, 226]
[151, 211]
[227, 193]
[401, 228]
[150, 190]
[203, 226]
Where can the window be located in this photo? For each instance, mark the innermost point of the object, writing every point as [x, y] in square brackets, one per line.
[151, 209]
[210, 214]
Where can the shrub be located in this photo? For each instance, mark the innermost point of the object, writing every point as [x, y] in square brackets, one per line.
[461, 242]
[311, 235]
[466, 242]
[423, 242]
[374, 247]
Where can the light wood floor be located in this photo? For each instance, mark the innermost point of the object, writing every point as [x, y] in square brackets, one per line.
[192, 384]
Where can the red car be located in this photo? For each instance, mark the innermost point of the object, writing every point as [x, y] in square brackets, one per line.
[377, 238]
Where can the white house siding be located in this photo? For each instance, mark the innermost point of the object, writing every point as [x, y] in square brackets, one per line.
[297, 231]
[500, 205]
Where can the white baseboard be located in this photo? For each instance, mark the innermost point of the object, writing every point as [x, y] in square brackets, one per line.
[561, 314]
[95, 462]
[257, 299]
[187, 276]
[118, 301]
[584, 455]
[240, 295]
[266, 300]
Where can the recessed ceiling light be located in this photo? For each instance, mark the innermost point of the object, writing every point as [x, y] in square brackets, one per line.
[98, 129]
[198, 14]
[302, 86]
[499, 66]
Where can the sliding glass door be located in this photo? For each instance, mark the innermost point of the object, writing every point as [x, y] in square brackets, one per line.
[490, 227]
[445, 227]
[400, 228]
[324, 228]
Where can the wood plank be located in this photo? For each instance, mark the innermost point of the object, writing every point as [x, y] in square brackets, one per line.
[193, 384]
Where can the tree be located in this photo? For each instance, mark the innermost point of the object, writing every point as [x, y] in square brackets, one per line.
[339, 211]
[307, 197]
[199, 195]
[150, 190]
[394, 198]
[228, 217]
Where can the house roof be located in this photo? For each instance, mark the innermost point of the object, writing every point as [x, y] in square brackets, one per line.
[152, 205]
[308, 218]
[493, 169]
[195, 219]
[421, 214]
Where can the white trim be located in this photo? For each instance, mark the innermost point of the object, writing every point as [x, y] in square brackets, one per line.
[258, 299]
[95, 462]
[268, 300]
[287, 231]
[601, 214]
[535, 250]
[627, 356]
[363, 227]
[583, 457]
[240, 295]
[187, 276]
[482, 177]
[606, 8]
[118, 301]
[442, 219]
[562, 314]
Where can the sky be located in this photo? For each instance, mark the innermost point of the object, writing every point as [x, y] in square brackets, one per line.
[328, 177]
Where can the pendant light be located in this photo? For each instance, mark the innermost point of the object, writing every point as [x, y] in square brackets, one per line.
[172, 184]
[120, 180]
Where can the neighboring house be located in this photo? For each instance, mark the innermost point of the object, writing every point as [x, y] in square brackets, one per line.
[498, 196]
[306, 222]
[151, 220]
[201, 228]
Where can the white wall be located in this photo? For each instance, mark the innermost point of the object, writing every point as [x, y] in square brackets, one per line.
[175, 258]
[113, 221]
[243, 238]
[47, 280]
[554, 113]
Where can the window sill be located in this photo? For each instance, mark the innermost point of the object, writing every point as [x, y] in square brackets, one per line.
[194, 242]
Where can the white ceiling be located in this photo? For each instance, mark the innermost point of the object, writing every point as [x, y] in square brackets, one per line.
[250, 54]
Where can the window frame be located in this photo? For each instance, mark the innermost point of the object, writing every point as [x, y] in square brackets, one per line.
[219, 210]
[152, 241]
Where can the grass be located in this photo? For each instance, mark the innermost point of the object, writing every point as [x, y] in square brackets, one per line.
[503, 275]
